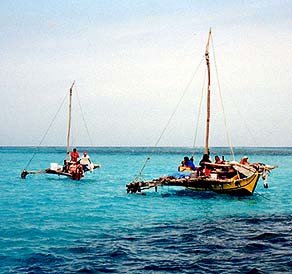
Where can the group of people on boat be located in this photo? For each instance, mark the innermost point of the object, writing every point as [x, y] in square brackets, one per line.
[76, 165]
[206, 166]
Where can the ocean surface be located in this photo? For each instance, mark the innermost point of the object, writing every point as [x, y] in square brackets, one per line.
[50, 224]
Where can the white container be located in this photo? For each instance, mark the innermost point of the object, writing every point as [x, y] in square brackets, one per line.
[213, 175]
[54, 166]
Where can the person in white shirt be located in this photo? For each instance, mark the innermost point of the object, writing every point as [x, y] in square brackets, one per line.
[85, 161]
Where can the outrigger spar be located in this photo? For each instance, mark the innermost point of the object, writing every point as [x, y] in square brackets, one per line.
[70, 169]
[226, 177]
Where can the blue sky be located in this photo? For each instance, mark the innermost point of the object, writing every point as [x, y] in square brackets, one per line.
[132, 60]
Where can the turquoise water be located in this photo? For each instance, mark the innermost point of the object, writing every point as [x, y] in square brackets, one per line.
[50, 224]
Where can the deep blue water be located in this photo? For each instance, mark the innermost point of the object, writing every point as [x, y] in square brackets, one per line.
[54, 225]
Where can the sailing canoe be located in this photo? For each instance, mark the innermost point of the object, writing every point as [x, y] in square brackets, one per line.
[240, 180]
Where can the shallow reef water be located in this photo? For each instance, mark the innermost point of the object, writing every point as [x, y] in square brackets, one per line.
[50, 224]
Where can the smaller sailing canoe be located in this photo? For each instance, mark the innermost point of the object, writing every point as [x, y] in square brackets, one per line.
[71, 169]
[74, 176]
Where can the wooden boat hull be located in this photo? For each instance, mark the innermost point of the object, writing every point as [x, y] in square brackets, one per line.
[237, 187]
[240, 187]
[74, 176]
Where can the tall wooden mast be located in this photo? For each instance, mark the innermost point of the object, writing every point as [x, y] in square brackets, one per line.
[69, 122]
[208, 94]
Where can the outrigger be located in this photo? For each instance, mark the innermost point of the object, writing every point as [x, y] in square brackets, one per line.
[72, 170]
[241, 184]
[226, 178]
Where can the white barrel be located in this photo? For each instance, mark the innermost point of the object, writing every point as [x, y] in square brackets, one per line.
[54, 166]
[213, 175]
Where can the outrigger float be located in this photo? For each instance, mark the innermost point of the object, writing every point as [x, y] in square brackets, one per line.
[226, 178]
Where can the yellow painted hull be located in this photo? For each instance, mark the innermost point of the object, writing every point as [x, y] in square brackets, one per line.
[239, 187]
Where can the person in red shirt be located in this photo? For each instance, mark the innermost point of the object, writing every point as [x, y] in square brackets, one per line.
[218, 160]
[244, 161]
[74, 155]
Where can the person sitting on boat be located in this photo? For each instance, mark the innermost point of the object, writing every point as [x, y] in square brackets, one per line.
[189, 164]
[66, 165]
[244, 161]
[76, 170]
[218, 160]
[204, 169]
[74, 155]
[219, 170]
[73, 167]
[85, 161]
[204, 160]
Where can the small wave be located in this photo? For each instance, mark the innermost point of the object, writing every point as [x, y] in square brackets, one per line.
[119, 252]
[255, 271]
[255, 248]
[266, 236]
[86, 269]
[80, 249]
[162, 267]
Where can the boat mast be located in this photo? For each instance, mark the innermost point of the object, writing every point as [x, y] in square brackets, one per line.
[208, 94]
[69, 123]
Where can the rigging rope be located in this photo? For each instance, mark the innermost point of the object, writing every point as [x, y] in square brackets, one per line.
[83, 118]
[243, 120]
[263, 196]
[199, 113]
[179, 102]
[222, 106]
[46, 132]
[139, 175]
